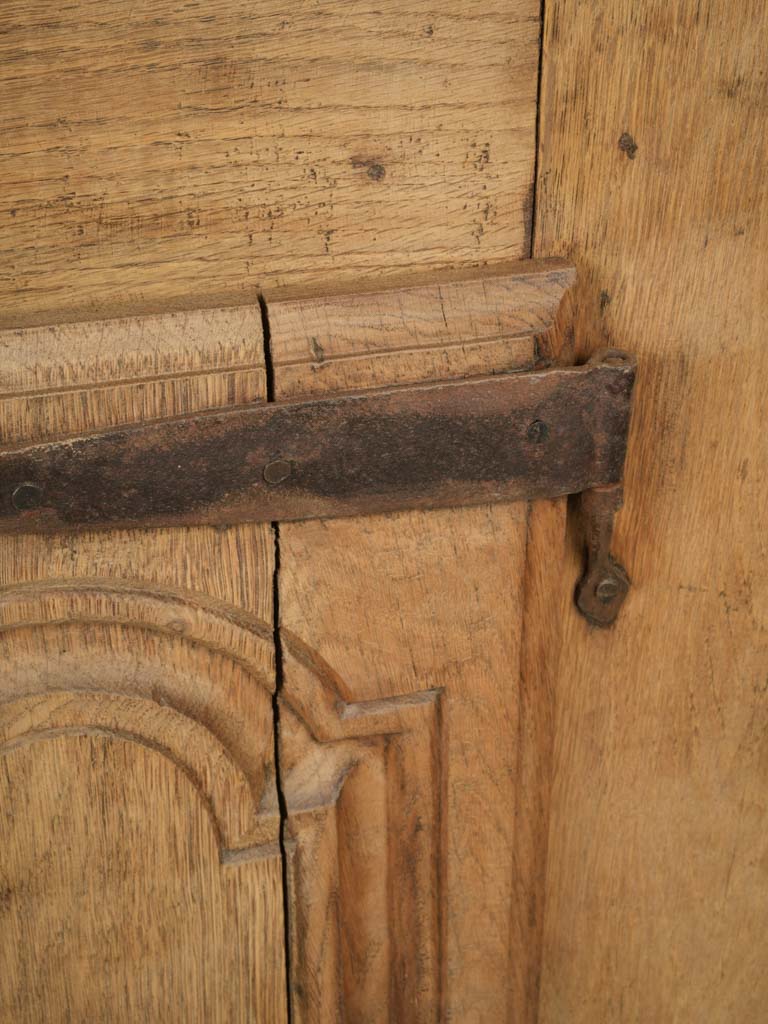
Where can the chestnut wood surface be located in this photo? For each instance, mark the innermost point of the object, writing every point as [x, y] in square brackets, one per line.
[436, 635]
[408, 825]
[159, 159]
[157, 154]
[140, 868]
[652, 161]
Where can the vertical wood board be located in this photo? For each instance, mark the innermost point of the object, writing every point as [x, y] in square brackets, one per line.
[652, 177]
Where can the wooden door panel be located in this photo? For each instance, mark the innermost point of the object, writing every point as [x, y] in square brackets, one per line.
[196, 155]
[136, 875]
[425, 611]
[140, 862]
[414, 560]
[409, 826]
[166, 156]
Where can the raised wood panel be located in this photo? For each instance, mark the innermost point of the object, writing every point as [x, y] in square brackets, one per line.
[137, 822]
[157, 154]
[362, 784]
[398, 607]
[652, 176]
[112, 911]
[139, 818]
[414, 707]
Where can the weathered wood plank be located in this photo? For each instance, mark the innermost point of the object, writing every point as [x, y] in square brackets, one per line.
[652, 177]
[158, 155]
[404, 612]
[137, 817]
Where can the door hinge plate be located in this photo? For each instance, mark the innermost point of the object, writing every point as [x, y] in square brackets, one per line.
[509, 437]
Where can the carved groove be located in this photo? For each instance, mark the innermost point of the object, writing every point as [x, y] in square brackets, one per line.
[377, 762]
[193, 617]
[39, 736]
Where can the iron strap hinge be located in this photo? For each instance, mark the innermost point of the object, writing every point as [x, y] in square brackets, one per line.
[515, 436]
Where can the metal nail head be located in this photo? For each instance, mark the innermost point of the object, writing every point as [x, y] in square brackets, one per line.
[26, 496]
[607, 589]
[277, 471]
[537, 431]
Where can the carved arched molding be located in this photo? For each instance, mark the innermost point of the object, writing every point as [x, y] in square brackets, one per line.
[220, 628]
[364, 792]
[192, 678]
[312, 692]
[182, 675]
[220, 784]
[194, 618]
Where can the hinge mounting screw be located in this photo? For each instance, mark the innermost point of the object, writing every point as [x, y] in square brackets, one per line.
[277, 471]
[537, 432]
[26, 496]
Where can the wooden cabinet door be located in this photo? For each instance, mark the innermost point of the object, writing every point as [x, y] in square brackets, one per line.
[416, 678]
[140, 867]
[321, 745]
[196, 800]
[303, 772]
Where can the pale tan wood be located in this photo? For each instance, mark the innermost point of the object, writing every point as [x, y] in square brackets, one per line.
[139, 820]
[540, 649]
[134, 917]
[652, 175]
[424, 607]
[362, 789]
[421, 331]
[395, 839]
[158, 155]
[82, 376]
[121, 350]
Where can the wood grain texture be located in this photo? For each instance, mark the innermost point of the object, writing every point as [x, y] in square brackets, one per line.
[545, 605]
[139, 861]
[362, 782]
[158, 155]
[125, 909]
[87, 376]
[652, 176]
[507, 318]
[397, 842]
[396, 607]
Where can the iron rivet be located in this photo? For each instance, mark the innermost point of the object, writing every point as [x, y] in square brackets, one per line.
[537, 431]
[276, 472]
[26, 496]
[607, 589]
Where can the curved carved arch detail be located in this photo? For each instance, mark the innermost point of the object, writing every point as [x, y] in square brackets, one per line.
[234, 778]
[221, 628]
[147, 682]
[230, 721]
[212, 716]
[222, 787]
[192, 617]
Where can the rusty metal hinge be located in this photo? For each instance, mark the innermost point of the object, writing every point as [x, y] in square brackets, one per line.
[515, 436]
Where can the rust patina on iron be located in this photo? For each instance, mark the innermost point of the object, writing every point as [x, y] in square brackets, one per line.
[517, 436]
[604, 585]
